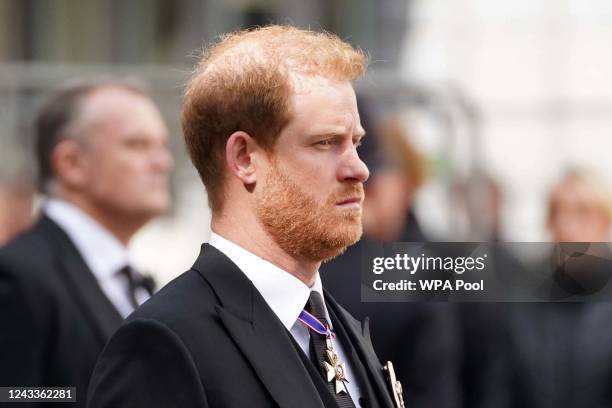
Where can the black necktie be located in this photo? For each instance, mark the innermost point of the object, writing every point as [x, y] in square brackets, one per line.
[136, 281]
[318, 348]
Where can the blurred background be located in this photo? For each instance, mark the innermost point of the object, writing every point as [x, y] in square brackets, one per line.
[497, 98]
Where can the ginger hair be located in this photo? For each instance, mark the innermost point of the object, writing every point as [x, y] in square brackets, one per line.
[244, 83]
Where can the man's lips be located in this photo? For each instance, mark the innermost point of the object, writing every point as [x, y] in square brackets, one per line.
[350, 202]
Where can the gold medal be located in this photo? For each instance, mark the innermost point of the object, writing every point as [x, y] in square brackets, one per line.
[334, 368]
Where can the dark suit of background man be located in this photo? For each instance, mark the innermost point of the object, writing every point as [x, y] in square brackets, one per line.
[66, 285]
[271, 124]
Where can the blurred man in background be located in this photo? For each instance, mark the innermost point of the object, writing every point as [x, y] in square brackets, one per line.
[67, 283]
[580, 208]
[579, 211]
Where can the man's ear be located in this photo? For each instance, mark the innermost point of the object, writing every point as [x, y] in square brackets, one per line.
[239, 151]
[68, 164]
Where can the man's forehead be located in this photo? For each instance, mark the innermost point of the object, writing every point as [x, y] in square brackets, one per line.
[317, 92]
[109, 103]
[111, 96]
[318, 95]
[304, 84]
[120, 112]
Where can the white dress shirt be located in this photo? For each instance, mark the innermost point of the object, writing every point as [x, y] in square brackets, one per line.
[287, 296]
[101, 250]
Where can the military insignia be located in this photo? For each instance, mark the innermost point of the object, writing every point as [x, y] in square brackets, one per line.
[334, 369]
[396, 386]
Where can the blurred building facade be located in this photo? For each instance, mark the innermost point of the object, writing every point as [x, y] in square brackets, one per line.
[538, 72]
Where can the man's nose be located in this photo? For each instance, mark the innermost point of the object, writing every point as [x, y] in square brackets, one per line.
[353, 168]
[162, 160]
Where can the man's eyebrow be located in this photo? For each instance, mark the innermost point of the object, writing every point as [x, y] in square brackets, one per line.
[338, 133]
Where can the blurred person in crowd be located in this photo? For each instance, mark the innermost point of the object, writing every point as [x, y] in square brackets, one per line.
[271, 123]
[420, 338]
[481, 197]
[67, 283]
[16, 201]
[388, 212]
[579, 217]
[483, 325]
[580, 208]
[554, 354]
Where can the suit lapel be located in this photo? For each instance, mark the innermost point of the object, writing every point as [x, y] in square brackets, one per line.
[81, 282]
[258, 332]
[360, 339]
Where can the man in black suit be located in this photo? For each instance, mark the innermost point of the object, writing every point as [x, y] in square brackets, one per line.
[66, 284]
[271, 124]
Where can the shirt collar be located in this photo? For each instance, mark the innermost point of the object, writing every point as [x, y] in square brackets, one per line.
[103, 253]
[284, 293]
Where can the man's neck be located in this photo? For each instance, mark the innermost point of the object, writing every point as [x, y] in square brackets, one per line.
[122, 228]
[257, 241]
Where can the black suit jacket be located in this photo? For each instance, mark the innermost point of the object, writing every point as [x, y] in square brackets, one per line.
[54, 318]
[209, 339]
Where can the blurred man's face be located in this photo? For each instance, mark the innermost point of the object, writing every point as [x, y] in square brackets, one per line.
[126, 161]
[310, 200]
[575, 215]
[387, 205]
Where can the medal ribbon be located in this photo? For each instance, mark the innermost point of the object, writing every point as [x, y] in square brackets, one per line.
[315, 324]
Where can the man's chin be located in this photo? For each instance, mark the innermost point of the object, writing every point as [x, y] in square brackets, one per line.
[161, 205]
[146, 213]
[336, 246]
[334, 252]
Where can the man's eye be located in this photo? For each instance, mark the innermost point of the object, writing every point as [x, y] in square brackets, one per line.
[326, 142]
[135, 143]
